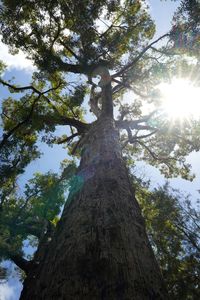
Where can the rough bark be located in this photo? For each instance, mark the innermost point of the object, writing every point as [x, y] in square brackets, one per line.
[100, 249]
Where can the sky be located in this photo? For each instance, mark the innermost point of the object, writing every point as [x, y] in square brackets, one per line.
[21, 69]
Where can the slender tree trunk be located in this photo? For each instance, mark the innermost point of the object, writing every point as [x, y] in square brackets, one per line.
[100, 249]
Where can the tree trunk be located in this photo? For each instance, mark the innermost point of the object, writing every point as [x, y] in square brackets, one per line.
[100, 249]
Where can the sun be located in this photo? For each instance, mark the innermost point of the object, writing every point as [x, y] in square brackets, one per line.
[180, 99]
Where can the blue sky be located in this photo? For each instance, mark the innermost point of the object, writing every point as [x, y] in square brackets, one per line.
[21, 68]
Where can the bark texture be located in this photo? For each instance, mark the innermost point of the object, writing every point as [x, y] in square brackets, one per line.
[100, 249]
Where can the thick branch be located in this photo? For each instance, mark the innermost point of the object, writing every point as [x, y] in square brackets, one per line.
[28, 87]
[61, 120]
[66, 67]
[134, 124]
[140, 137]
[67, 139]
[22, 263]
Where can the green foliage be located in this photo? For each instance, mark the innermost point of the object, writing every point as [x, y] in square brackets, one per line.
[15, 157]
[49, 32]
[27, 216]
[173, 228]
[185, 32]
[2, 67]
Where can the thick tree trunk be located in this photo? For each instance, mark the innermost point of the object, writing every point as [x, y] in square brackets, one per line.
[100, 249]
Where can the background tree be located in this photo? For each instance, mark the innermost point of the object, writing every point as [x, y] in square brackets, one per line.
[31, 218]
[173, 229]
[100, 249]
[186, 27]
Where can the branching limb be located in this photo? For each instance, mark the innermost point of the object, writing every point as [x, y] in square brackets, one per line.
[56, 35]
[120, 85]
[133, 139]
[124, 112]
[140, 137]
[67, 139]
[15, 128]
[139, 93]
[118, 88]
[131, 64]
[28, 87]
[154, 155]
[70, 51]
[135, 124]
[123, 84]
[188, 236]
[168, 53]
[66, 67]
[77, 145]
[61, 119]
[22, 263]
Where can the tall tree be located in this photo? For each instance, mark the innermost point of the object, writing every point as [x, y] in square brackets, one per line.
[99, 248]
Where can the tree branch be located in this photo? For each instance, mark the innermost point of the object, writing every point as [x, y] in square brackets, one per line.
[66, 67]
[67, 139]
[131, 64]
[22, 263]
[155, 156]
[133, 139]
[63, 120]
[70, 51]
[163, 52]
[136, 138]
[134, 124]
[28, 87]
[6, 136]
[189, 237]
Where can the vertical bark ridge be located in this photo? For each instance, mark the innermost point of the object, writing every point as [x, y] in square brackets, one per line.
[107, 104]
[100, 249]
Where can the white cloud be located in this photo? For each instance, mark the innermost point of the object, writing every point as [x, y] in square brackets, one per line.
[10, 290]
[18, 61]
[6, 292]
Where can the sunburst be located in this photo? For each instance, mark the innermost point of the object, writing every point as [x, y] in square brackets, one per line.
[180, 99]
